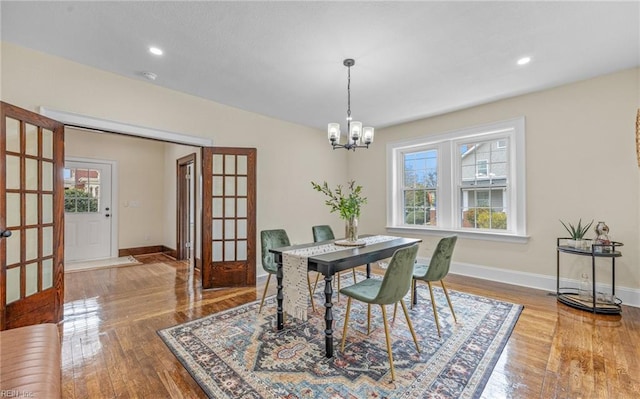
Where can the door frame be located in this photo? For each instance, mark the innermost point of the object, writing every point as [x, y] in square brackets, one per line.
[184, 204]
[113, 251]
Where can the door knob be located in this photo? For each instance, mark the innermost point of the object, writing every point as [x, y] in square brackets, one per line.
[5, 234]
[107, 215]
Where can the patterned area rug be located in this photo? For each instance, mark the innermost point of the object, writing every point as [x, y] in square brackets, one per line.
[240, 354]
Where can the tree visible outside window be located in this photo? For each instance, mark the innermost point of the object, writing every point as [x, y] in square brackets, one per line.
[81, 190]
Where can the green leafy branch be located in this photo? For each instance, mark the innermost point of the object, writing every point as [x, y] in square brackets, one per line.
[347, 202]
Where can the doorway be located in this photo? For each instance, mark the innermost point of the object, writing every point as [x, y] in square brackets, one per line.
[185, 206]
[88, 210]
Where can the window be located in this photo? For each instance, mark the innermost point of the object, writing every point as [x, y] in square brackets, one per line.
[469, 181]
[81, 190]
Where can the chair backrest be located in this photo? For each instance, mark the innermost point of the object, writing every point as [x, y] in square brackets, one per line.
[441, 259]
[397, 279]
[322, 233]
[272, 239]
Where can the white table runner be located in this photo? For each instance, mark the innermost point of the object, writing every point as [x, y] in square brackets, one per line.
[294, 270]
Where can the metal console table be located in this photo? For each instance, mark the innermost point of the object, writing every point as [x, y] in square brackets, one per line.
[571, 296]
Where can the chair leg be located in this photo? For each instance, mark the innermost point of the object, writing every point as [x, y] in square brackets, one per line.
[395, 310]
[346, 321]
[414, 293]
[446, 293]
[368, 319]
[338, 278]
[313, 306]
[435, 311]
[266, 286]
[386, 334]
[354, 275]
[316, 283]
[406, 315]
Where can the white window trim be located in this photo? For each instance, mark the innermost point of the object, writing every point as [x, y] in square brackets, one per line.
[446, 143]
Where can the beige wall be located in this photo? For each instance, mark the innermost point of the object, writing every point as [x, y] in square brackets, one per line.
[581, 163]
[140, 187]
[289, 155]
[580, 155]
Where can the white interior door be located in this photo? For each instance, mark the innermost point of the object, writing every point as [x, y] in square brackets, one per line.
[88, 211]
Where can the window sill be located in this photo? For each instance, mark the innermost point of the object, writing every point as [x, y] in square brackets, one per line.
[473, 235]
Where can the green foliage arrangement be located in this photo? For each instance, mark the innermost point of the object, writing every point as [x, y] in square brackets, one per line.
[347, 202]
[577, 232]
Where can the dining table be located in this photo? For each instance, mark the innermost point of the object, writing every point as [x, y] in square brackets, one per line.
[338, 259]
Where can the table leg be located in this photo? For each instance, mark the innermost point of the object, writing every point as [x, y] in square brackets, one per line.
[279, 296]
[368, 270]
[328, 316]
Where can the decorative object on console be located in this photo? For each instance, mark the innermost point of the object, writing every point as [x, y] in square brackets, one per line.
[347, 204]
[357, 136]
[577, 233]
[602, 241]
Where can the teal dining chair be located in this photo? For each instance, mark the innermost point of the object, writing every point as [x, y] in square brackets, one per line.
[436, 270]
[275, 239]
[390, 290]
[325, 233]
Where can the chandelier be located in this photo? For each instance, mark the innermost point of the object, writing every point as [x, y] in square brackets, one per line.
[357, 136]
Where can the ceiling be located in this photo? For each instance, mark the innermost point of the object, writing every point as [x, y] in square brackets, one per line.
[284, 59]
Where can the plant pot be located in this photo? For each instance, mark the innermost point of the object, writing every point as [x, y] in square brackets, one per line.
[578, 244]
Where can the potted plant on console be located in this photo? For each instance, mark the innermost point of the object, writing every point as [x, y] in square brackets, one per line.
[576, 234]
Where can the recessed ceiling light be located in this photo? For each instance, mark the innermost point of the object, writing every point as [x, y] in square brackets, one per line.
[155, 50]
[524, 60]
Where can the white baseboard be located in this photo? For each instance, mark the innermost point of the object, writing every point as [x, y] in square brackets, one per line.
[628, 296]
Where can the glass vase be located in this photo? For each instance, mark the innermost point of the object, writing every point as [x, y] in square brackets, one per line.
[351, 229]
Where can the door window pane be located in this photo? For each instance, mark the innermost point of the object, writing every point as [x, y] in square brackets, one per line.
[47, 144]
[217, 207]
[82, 190]
[47, 241]
[229, 186]
[229, 164]
[13, 209]
[229, 250]
[217, 185]
[217, 229]
[13, 172]
[31, 250]
[47, 208]
[242, 164]
[31, 279]
[242, 186]
[242, 228]
[31, 174]
[13, 247]
[47, 176]
[31, 137]
[242, 250]
[217, 164]
[217, 251]
[229, 207]
[47, 274]
[31, 209]
[13, 135]
[13, 284]
[242, 208]
[229, 229]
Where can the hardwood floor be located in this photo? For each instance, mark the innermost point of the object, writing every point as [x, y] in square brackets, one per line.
[111, 349]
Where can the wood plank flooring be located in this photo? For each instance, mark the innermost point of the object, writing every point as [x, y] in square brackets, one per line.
[111, 349]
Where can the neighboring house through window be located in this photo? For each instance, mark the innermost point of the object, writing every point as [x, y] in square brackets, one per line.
[469, 181]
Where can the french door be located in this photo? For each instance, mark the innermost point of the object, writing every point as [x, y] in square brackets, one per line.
[228, 217]
[31, 218]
